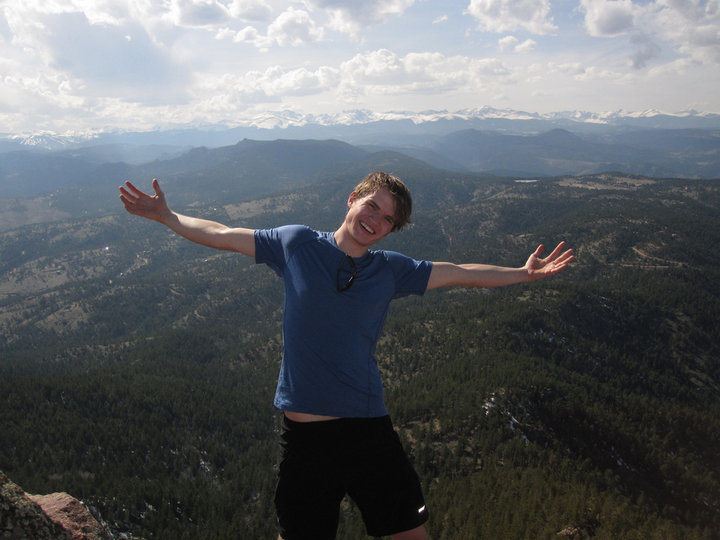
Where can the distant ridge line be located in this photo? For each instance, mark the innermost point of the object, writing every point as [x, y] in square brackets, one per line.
[286, 123]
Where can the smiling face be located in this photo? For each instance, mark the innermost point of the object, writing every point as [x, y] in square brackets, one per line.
[368, 220]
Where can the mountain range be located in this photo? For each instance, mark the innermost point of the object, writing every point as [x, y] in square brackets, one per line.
[363, 126]
[30, 171]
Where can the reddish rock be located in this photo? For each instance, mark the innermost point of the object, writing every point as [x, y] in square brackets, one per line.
[45, 517]
[21, 518]
[72, 515]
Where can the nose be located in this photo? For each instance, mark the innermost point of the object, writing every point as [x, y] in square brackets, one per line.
[374, 215]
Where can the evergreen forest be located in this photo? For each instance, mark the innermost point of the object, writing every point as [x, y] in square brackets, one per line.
[137, 369]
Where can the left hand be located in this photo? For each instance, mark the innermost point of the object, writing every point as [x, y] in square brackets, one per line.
[538, 268]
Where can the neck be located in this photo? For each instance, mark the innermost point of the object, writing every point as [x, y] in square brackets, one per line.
[345, 242]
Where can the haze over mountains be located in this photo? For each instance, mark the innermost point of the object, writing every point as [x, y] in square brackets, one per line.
[505, 143]
[357, 125]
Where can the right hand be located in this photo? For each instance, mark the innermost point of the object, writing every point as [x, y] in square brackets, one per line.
[141, 204]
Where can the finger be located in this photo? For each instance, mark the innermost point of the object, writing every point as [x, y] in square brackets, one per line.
[539, 251]
[156, 187]
[130, 206]
[555, 251]
[126, 197]
[561, 264]
[131, 187]
[567, 257]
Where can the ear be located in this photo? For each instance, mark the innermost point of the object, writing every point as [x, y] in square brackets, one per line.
[351, 199]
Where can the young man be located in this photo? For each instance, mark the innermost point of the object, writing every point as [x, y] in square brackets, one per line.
[338, 438]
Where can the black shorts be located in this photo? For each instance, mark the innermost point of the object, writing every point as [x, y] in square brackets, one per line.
[363, 457]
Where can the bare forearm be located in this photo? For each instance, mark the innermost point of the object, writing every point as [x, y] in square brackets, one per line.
[475, 275]
[210, 233]
[197, 230]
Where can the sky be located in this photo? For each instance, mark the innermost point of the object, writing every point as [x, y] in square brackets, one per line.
[82, 66]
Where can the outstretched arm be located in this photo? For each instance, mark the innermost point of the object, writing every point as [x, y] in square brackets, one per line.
[203, 231]
[446, 274]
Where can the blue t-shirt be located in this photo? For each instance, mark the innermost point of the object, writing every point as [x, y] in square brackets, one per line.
[329, 337]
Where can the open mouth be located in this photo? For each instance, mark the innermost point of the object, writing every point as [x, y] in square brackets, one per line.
[367, 228]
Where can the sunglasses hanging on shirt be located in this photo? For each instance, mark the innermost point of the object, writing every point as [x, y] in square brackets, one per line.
[347, 271]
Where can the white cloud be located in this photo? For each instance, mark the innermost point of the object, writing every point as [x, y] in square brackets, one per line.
[646, 50]
[376, 67]
[232, 92]
[507, 42]
[352, 16]
[108, 54]
[597, 73]
[294, 27]
[198, 13]
[568, 68]
[138, 62]
[251, 10]
[511, 42]
[384, 72]
[689, 27]
[249, 34]
[299, 82]
[675, 68]
[101, 52]
[526, 46]
[606, 18]
[692, 26]
[97, 12]
[508, 15]
[692, 10]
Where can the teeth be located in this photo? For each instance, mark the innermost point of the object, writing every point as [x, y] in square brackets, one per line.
[368, 229]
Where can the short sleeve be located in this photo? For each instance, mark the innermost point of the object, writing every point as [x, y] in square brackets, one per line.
[272, 246]
[411, 276]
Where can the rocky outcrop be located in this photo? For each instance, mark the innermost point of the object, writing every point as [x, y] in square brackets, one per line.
[72, 515]
[57, 516]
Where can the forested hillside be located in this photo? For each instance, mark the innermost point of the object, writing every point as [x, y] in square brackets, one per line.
[137, 370]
